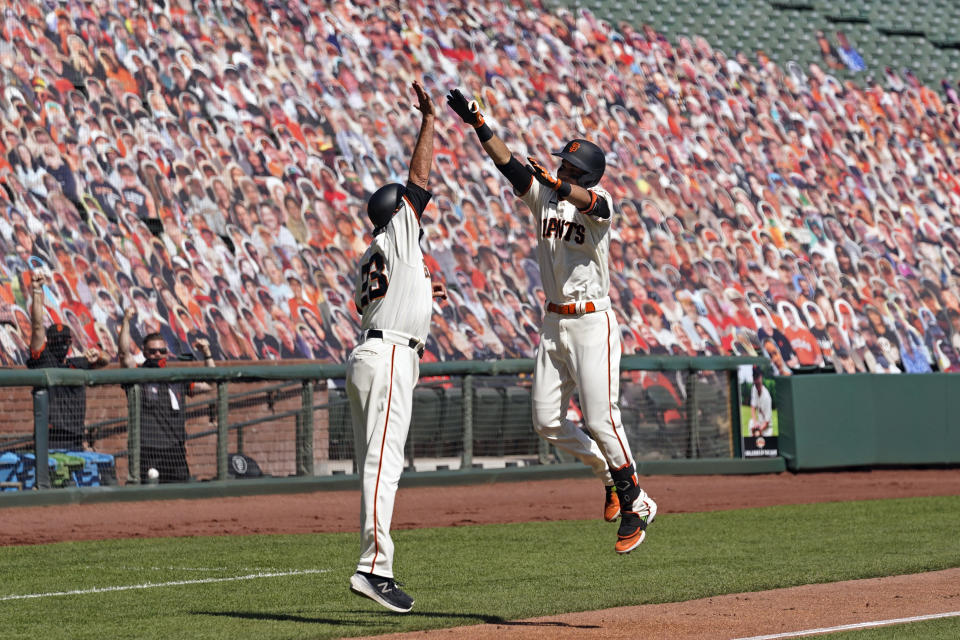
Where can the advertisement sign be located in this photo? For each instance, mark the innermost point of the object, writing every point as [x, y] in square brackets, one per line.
[758, 413]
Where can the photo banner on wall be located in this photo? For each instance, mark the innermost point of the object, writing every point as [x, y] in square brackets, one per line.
[758, 413]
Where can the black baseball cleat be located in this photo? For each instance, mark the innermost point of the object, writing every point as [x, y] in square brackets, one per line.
[633, 525]
[382, 590]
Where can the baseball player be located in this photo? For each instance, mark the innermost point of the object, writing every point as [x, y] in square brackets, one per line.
[394, 296]
[580, 337]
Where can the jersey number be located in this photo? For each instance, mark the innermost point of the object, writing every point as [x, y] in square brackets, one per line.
[375, 281]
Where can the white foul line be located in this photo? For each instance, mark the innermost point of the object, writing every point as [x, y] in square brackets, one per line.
[154, 585]
[858, 625]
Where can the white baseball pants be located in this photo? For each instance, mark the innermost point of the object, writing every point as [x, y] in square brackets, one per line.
[583, 353]
[380, 381]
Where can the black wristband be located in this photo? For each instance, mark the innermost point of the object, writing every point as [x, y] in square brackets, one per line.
[563, 190]
[484, 132]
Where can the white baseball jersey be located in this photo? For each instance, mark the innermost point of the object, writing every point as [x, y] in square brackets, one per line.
[578, 351]
[762, 402]
[394, 294]
[574, 247]
[393, 290]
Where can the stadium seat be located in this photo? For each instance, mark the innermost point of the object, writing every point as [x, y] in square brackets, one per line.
[451, 423]
[518, 435]
[340, 425]
[488, 404]
[423, 439]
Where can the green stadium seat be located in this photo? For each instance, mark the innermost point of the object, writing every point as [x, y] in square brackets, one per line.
[487, 421]
[451, 422]
[518, 435]
[340, 425]
[423, 439]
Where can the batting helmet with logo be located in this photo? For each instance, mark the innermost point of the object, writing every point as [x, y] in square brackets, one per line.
[587, 157]
[384, 203]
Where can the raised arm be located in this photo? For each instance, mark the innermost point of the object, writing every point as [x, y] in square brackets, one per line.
[422, 157]
[123, 341]
[37, 336]
[470, 113]
[203, 346]
[510, 167]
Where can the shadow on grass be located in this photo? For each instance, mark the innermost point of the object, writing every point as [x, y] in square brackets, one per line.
[436, 615]
[281, 617]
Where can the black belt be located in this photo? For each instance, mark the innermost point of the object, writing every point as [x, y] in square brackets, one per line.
[413, 343]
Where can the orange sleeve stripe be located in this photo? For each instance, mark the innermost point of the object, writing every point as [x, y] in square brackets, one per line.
[593, 203]
[412, 208]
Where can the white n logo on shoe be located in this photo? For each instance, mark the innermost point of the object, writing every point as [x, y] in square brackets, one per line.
[385, 587]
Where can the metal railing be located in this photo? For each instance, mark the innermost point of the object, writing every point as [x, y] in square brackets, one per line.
[673, 424]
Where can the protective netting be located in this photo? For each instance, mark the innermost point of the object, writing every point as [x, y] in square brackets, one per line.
[72, 461]
[291, 427]
[666, 415]
[677, 414]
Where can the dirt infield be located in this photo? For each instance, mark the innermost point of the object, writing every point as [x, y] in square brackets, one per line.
[325, 512]
[738, 615]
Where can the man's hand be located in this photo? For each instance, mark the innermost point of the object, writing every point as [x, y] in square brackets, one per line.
[439, 290]
[92, 355]
[543, 177]
[424, 104]
[128, 314]
[37, 280]
[203, 346]
[469, 112]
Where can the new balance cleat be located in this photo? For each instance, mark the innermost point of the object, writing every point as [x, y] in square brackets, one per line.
[611, 504]
[381, 590]
[633, 525]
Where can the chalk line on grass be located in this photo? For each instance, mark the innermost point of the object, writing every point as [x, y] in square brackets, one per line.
[155, 585]
[856, 625]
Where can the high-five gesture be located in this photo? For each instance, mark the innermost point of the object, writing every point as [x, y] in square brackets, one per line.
[424, 104]
[469, 111]
[422, 157]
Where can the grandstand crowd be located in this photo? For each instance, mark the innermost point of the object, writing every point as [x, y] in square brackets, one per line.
[207, 163]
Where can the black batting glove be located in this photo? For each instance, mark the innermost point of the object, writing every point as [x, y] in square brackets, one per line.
[543, 177]
[468, 111]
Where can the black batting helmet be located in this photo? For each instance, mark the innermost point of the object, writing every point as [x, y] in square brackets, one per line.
[586, 156]
[384, 203]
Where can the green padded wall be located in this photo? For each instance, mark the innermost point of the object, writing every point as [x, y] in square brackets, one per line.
[864, 420]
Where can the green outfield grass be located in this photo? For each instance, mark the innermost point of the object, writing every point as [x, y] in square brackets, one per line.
[462, 575]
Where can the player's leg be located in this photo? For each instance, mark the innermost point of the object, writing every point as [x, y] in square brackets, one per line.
[170, 463]
[380, 381]
[595, 359]
[179, 469]
[550, 397]
[594, 347]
